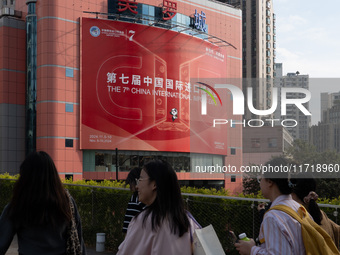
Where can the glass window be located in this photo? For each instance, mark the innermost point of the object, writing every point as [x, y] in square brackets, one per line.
[69, 176]
[199, 162]
[151, 11]
[232, 151]
[186, 20]
[31, 8]
[233, 178]
[68, 142]
[106, 161]
[68, 107]
[255, 143]
[69, 72]
[272, 142]
[145, 9]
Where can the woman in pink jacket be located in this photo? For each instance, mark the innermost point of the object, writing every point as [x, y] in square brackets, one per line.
[163, 226]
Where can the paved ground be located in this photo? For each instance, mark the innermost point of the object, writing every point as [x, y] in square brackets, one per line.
[13, 250]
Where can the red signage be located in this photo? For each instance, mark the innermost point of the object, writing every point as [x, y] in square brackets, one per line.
[170, 9]
[130, 5]
[140, 89]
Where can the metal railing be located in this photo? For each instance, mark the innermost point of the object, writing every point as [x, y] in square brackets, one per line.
[102, 209]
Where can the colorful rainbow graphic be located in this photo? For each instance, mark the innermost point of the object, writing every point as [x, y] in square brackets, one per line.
[208, 92]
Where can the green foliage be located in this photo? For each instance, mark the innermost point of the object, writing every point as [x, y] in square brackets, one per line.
[250, 184]
[102, 209]
[302, 152]
[104, 183]
[305, 153]
[215, 192]
[8, 176]
[6, 190]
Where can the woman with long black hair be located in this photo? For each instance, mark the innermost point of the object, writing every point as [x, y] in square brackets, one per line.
[41, 212]
[163, 227]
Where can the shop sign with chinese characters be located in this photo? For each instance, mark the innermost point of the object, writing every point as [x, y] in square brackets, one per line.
[199, 21]
[169, 8]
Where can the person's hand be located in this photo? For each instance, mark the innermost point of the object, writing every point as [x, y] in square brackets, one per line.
[261, 206]
[244, 247]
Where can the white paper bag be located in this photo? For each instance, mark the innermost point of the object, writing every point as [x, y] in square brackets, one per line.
[206, 242]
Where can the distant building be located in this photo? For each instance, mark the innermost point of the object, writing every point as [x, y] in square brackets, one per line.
[294, 80]
[327, 101]
[277, 84]
[278, 70]
[326, 134]
[261, 144]
[259, 50]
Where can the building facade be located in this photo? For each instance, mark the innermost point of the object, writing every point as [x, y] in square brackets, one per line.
[107, 86]
[301, 124]
[261, 144]
[326, 134]
[328, 100]
[259, 50]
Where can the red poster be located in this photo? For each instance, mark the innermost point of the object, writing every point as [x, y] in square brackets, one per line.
[137, 90]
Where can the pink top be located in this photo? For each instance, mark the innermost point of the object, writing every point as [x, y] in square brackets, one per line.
[141, 240]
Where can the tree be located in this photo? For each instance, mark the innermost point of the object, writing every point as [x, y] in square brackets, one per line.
[250, 184]
[325, 166]
[302, 152]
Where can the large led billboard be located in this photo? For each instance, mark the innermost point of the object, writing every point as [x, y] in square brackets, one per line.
[140, 89]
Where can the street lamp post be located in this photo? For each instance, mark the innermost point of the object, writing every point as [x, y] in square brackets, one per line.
[117, 165]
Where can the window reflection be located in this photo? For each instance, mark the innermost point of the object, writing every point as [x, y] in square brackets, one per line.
[106, 161]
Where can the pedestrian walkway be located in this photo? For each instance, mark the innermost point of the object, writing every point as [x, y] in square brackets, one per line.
[13, 249]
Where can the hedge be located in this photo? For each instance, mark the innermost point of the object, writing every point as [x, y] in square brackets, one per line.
[102, 208]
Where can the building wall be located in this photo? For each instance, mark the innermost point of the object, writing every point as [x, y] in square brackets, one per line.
[259, 50]
[292, 80]
[12, 93]
[59, 72]
[327, 101]
[261, 144]
[326, 134]
[301, 131]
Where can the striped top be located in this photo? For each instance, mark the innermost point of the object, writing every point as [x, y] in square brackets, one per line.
[133, 208]
[281, 232]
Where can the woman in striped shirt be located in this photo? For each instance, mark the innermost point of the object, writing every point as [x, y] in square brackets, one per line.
[134, 205]
[280, 232]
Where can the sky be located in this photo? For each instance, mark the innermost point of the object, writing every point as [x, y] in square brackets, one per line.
[308, 41]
